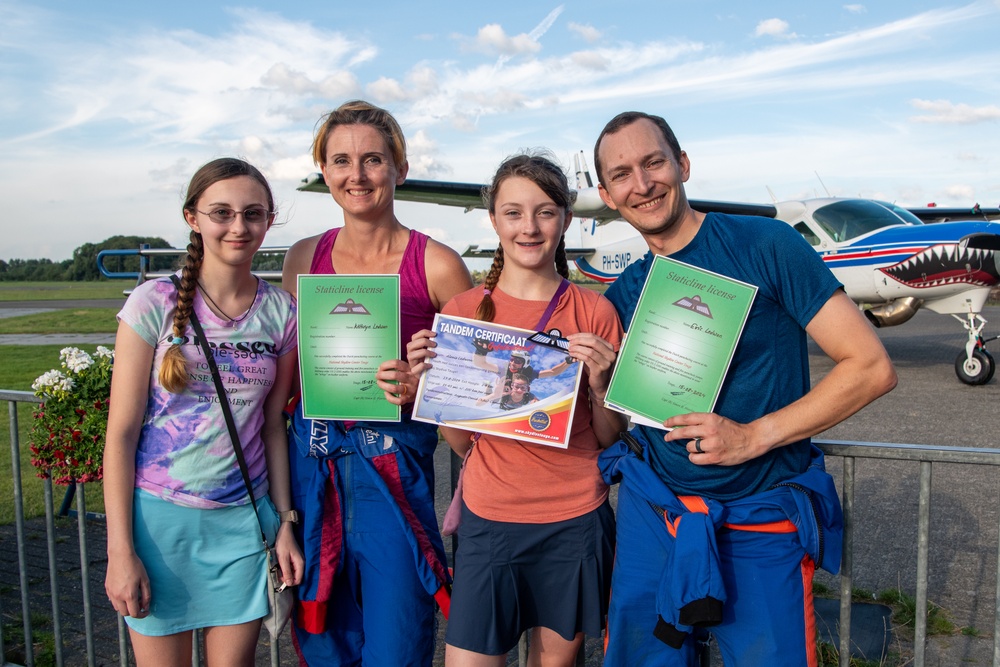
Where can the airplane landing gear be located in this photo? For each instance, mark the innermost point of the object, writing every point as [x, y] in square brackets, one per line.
[975, 370]
[974, 365]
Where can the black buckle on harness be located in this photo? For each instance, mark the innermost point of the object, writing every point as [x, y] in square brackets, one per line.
[633, 444]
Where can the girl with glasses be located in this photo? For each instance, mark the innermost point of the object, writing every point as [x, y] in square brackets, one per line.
[536, 538]
[184, 548]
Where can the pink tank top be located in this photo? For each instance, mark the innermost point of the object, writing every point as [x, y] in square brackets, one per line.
[416, 308]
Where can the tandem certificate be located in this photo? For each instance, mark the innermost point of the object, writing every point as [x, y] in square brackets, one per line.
[348, 325]
[499, 380]
[681, 341]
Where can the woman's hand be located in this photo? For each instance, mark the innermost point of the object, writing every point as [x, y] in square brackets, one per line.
[598, 356]
[395, 379]
[420, 350]
[290, 559]
[127, 586]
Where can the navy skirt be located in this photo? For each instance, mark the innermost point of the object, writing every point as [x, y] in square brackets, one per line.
[511, 577]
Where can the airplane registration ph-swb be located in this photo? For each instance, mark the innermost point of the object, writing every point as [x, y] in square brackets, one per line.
[890, 262]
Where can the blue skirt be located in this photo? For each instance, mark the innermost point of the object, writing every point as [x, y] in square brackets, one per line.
[206, 567]
[511, 577]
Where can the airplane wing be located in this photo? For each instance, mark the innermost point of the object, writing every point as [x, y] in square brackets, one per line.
[733, 208]
[938, 214]
[462, 195]
[588, 202]
[487, 253]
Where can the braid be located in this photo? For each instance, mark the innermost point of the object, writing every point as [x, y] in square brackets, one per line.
[486, 310]
[173, 371]
[562, 264]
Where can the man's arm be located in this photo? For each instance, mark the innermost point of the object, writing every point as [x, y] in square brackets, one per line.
[862, 372]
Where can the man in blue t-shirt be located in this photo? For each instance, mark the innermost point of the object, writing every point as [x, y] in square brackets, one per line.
[686, 559]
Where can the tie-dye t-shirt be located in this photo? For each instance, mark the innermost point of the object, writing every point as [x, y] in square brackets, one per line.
[185, 454]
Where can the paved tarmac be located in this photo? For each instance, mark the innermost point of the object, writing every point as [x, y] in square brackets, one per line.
[930, 406]
[18, 308]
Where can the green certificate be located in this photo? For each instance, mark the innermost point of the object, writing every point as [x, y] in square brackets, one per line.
[680, 344]
[348, 325]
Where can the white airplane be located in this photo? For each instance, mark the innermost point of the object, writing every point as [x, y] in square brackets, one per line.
[889, 261]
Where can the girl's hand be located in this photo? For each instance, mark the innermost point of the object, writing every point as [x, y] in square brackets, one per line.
[598, 356]
[419, 350]
[127, 586]
[395, 379]
[290, 559]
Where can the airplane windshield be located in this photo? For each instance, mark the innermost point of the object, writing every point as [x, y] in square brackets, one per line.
[902, 212]
[850, 218]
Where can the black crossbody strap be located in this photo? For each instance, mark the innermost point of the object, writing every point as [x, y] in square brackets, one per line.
[224, 404]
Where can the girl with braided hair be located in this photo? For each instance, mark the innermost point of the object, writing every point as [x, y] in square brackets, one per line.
[184, 546]
[536, 538]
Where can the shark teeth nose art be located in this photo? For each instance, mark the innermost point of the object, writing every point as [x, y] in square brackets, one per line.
[946, 264]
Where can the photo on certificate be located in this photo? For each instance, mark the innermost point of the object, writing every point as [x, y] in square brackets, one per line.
[348, 326]
[678, 348]
[499, 380]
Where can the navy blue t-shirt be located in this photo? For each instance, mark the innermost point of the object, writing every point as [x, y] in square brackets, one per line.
[770, 367]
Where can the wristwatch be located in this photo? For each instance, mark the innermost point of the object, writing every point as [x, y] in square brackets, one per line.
[289, 516]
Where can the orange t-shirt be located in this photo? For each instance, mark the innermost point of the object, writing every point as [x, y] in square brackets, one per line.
[515, 481]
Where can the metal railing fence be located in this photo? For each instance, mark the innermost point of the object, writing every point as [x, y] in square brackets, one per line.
[145, 254]
[925, 456]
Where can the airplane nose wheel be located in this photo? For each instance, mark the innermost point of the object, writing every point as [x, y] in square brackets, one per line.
[977, 370]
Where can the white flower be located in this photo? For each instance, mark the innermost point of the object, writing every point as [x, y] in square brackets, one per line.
[75, 359]
[51, 382]
[104, 353]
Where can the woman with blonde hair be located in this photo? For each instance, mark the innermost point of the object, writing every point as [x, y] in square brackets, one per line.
[375, 561]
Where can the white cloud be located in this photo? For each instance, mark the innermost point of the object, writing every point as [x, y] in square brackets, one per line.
[282, 78]
[423, 156]
[588, 32]
[492, 39]
[945, 112]
[590, 60]
[773, 28]
[186, 86]
[961, 192]
[385, 90]
[856, 9]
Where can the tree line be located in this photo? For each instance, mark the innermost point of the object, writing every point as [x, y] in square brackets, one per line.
[83, 265]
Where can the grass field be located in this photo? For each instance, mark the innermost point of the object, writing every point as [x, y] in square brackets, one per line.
[55, 291]
[77, 320]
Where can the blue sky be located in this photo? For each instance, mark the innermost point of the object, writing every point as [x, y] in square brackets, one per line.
[106, 108]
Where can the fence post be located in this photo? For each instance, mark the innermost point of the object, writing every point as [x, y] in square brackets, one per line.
[22, 559]
[50, 535]
[923, 534]
[847, 565]
[88, 621]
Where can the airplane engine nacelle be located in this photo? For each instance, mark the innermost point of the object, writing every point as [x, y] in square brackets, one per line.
[893, 313]
[589, 204]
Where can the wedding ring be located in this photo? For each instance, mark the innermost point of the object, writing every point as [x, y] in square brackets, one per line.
[697, 446]
[402, 389]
